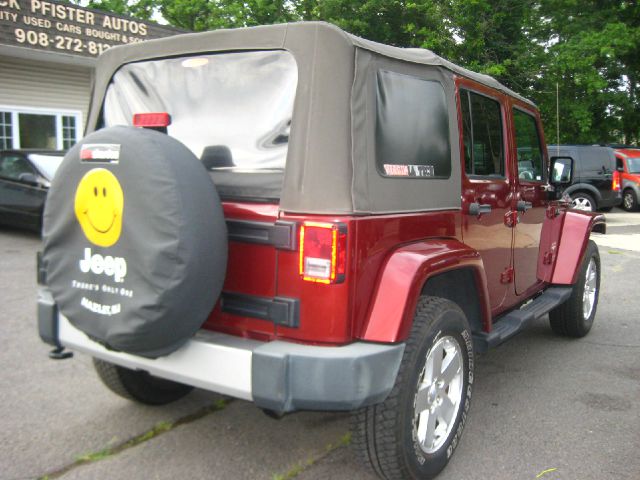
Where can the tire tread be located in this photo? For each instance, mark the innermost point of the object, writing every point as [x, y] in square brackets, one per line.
[373, 435]
[566, 319]
[139, 386]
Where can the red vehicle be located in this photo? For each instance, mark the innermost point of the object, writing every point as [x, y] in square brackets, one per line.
[628, 166]
[297, 217]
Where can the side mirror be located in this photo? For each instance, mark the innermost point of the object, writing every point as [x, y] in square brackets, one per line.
[620, 169]
[28, 178]
[561, 174]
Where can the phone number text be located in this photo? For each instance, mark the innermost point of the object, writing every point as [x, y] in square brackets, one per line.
[60, 42]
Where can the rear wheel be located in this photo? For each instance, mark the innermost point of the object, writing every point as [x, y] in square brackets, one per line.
[414, 432]
[139, 386]
[583, 201]
[629, 200]
[574, 318]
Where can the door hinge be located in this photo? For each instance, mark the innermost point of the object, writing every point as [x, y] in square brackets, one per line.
[552, 212]
[547, 258]
[507, 275]
[511, 218]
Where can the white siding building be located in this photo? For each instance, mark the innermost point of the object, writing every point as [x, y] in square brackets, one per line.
[47, 55]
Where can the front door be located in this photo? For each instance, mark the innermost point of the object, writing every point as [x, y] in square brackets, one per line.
[531, 198]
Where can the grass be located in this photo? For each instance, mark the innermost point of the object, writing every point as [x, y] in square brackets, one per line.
[300, 467]
[157, 430]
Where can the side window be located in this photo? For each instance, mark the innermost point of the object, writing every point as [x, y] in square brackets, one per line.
[482, 135]
[412, 127]
[12, 166]
[530, 159]
[619, 165]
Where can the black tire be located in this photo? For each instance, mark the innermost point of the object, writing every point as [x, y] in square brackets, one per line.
[571, 318]
[139, 386]
[386, 436]
[629, 200]
[583, 201]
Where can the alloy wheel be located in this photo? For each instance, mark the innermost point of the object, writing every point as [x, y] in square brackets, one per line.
[590, 289]
[439, 394]
[582, 203]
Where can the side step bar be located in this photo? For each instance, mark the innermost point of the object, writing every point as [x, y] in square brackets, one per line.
[515, 321]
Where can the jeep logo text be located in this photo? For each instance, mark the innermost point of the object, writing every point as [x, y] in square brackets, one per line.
[115, 267]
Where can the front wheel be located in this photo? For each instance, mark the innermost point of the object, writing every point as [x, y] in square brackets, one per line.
[414, 432]
[139, 386]
[574, 318]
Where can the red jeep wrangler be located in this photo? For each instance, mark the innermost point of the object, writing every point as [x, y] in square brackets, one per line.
[304, 219]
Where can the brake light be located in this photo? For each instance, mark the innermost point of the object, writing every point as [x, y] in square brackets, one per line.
[152, 120]
[615, 185]
[323, 252]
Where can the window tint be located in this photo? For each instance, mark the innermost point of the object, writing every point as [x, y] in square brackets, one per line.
[412, 127]
[482, 135]
[37, 131]
[596, 159]
[12, 166]
[530, 160]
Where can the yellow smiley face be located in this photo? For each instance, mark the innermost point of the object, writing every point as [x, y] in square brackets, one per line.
[99, 204]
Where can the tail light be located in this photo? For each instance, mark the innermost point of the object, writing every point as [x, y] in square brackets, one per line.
[615, 185]
[323, 252]
[152, 120]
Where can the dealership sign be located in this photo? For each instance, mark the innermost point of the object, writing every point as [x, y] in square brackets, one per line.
[66, 28]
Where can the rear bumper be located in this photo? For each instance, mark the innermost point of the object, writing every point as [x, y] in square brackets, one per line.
[277, 375]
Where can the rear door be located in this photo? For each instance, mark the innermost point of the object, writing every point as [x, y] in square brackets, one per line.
[530, 199]
[599, 163]
[486, 186]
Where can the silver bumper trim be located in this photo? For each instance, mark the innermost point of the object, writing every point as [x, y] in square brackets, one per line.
[212, 361]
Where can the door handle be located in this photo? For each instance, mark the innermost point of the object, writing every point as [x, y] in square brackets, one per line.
[477, 209]
[523, 206]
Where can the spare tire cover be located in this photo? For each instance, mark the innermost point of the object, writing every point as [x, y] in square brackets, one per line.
[135, 242]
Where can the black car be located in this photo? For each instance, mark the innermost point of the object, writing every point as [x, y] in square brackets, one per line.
[25, 176]
[593, 184]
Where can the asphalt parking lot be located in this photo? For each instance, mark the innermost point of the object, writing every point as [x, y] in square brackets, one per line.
[543, 406]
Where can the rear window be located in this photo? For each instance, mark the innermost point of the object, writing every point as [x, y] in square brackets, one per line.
[412, 127]
[232, 110]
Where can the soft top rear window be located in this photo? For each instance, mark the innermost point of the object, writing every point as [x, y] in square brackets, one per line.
[232, 110]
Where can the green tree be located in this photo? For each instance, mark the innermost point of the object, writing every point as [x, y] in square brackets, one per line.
[590, 49]
[592, 53]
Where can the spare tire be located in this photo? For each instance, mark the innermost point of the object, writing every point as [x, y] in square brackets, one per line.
[135, 242]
